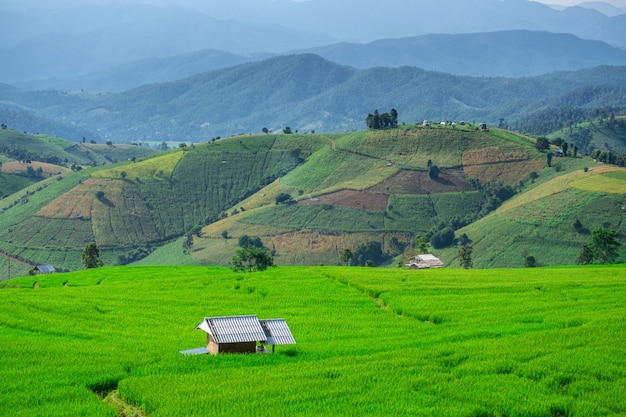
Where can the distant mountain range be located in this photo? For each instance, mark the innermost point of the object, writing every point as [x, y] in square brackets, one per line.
[307, 92]
[503, 54]
[43, 45]
[514, 53]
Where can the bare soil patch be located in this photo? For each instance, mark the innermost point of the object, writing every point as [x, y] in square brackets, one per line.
[16, 167]
[418, 182]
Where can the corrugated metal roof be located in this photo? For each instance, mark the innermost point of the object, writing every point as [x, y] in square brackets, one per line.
[277, 332]
[46, 269]
[233, 329]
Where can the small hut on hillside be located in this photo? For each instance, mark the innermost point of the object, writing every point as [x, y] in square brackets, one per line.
[425, 261]
[244, 334]
[43, 269]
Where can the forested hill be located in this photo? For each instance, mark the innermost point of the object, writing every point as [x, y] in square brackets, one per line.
[307, 92]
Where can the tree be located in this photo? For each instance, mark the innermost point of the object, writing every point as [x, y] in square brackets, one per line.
[382, 120]
[187, 242]
[370, 251]
[393, 114]
[251, 259]
[265, 130]
[376, 120]
[282, 198]
[100, 195]
[530, 262]
[549, 159]
[433, 171]
[585, 257]
[123, 174]
[542, 144]
[91, 256]
[346, 256]
[245, 240]
[225, 234]
[287, 130]
[421, 244]
[465, 256]
[443, 238]
[604, 245]
[565, 147]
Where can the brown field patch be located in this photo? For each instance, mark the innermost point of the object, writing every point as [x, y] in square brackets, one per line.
[15, 167]
[319, 248]
[492, 155]
[510, 173]
[418, 182]
[354, 199]
[78, 202]
[495, 164]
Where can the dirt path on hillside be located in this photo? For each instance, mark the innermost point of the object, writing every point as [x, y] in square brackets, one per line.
[332, 143]
[6, 255]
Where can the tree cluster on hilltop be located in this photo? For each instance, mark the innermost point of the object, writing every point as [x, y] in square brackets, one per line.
[378, 121]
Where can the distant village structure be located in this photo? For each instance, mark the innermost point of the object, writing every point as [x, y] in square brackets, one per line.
[43, 269]
[244, 334]
[424, 262]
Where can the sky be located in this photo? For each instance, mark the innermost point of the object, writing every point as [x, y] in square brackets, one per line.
[617, 3]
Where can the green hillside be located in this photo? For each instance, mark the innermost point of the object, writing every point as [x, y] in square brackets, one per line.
[350, 190]
[143, 204]
[550, 222]
[369, 342]
[374, 186]
[607, 134]
[27, 158]
[43, 148]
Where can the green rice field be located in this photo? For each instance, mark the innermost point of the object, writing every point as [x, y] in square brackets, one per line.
[370, 342]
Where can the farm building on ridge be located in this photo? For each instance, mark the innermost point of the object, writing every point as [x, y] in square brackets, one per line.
[240, 334]
[43, 269]
[425, 261]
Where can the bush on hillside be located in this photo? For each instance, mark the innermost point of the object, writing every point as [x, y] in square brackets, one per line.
[442, 238]
[251, 259]
[245, 240]
[283, 198]
[370, 251]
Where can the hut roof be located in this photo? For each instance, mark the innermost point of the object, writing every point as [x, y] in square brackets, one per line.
[277, 332]
[235, 329]
[45, 269]
[238, 329]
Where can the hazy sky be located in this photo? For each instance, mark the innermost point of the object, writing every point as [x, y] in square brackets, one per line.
[617, 3]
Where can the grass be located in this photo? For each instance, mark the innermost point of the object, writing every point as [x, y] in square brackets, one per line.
[10, 184]
[542, 342]
[614, 182]
[541, 222]
[157, 168]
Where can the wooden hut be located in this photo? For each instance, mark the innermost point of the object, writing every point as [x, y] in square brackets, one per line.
[244, 334]
[425, 261]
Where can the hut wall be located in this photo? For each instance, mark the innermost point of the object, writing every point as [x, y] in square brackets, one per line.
[243, 347]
